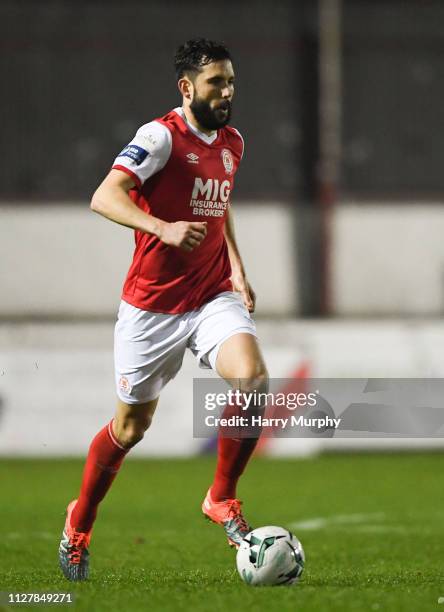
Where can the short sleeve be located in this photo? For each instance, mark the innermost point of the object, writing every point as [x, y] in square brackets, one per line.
[242, 141]
[146, 154]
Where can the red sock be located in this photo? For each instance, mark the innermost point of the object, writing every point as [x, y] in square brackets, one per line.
[232, 457]
[102, 464]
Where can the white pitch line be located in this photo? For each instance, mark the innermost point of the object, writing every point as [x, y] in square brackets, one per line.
[321, 522]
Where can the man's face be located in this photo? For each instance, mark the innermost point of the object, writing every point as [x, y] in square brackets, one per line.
[212, 94]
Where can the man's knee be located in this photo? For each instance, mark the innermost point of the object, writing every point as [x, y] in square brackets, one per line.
[131, 422]
[131, 431]
[255, 380]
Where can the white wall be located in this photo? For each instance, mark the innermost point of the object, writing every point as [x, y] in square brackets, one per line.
[57, 383]
[58, 260]
[57, 389]
[388, 259]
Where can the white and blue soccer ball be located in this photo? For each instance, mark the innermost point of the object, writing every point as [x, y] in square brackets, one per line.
[270, 556]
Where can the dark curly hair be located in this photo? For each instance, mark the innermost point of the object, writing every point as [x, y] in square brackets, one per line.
[198, 52]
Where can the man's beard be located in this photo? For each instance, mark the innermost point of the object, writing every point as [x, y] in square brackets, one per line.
[207, 117]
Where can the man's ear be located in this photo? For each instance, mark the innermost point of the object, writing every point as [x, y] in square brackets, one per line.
[186, 88]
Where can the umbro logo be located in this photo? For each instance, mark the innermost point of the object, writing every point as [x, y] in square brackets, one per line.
[193, 158]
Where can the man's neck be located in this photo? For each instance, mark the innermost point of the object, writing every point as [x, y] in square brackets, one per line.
[192, 121]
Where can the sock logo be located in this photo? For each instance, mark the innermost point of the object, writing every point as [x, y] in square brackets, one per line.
[107, 468]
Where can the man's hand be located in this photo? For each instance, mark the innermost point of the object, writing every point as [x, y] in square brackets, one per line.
[242, 286]
[182, 234]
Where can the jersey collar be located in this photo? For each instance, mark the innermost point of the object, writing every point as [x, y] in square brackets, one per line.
[205, 137]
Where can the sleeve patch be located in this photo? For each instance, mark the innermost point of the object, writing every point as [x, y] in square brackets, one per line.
[135, 153]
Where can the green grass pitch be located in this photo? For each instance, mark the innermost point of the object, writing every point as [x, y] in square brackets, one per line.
[152, 549]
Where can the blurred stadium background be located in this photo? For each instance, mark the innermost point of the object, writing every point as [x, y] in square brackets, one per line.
[338, 203]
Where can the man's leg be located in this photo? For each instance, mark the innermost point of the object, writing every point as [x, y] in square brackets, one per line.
[105, 456]
[239, 360]
[240, 363]
[104, 459]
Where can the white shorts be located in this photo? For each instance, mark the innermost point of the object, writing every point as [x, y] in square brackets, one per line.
[149, 346]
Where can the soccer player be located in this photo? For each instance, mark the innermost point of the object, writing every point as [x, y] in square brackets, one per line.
[186, 286]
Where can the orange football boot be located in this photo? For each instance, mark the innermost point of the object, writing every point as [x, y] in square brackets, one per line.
[73, 550]
[228, 514]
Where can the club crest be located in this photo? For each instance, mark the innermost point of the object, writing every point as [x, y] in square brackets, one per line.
[227, 160]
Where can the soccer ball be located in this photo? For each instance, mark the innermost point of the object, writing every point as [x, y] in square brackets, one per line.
[270, 556]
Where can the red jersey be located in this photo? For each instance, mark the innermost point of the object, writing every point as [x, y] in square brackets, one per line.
[180, 176]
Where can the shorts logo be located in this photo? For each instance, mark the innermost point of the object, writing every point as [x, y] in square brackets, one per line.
[135, 153]
[124, 384]
[227, 160]
[193, 158]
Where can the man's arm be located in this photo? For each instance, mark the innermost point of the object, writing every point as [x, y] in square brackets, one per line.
[238, 277]
[111, 200]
